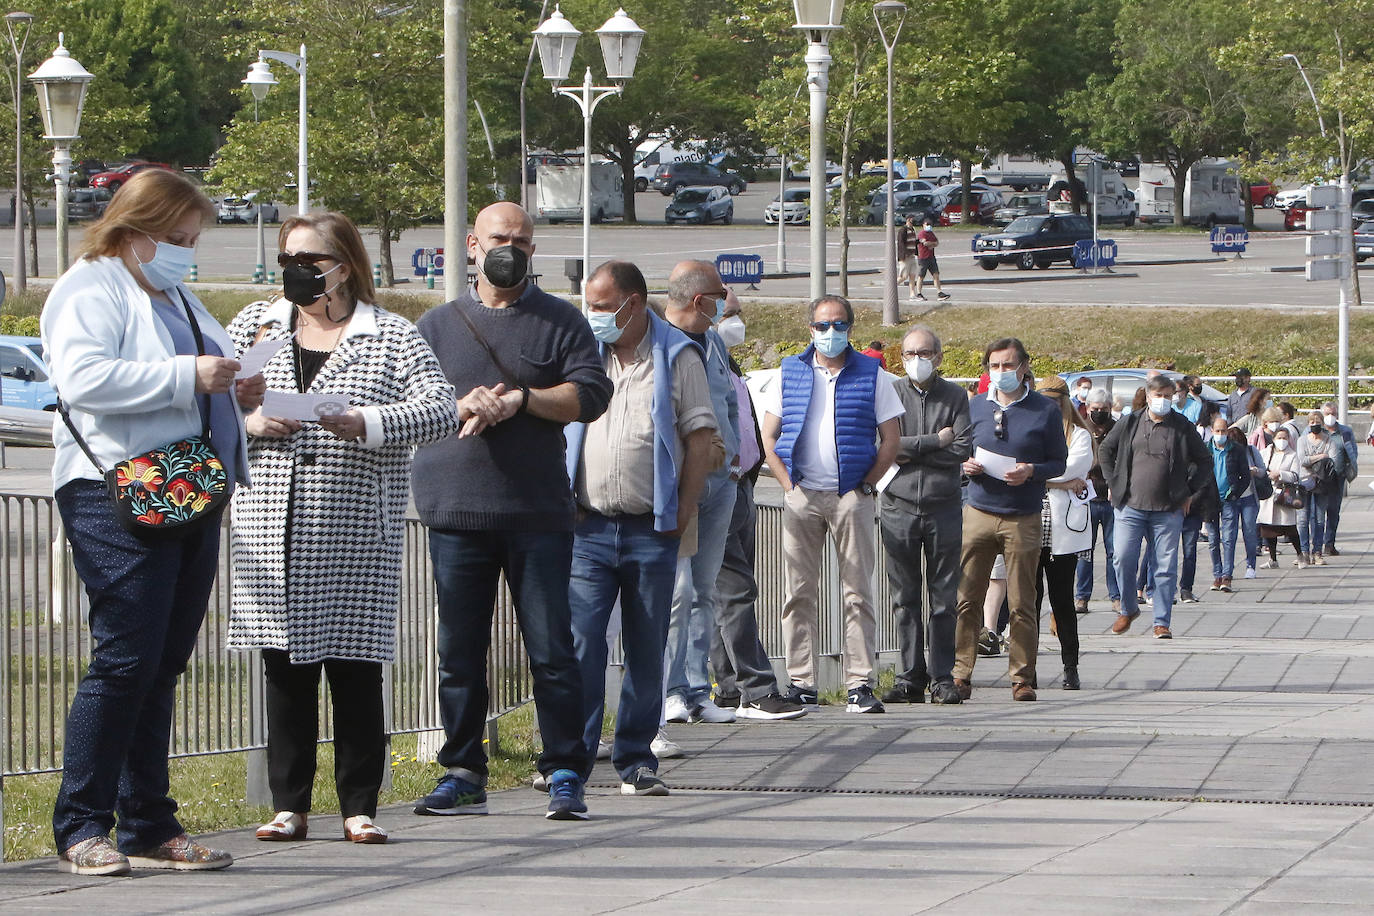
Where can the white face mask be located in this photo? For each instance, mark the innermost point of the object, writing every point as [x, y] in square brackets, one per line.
[1329, 419]
[1280, 445]
[1160, 407]
[920, 369]
[731, 331]
[1272, 427]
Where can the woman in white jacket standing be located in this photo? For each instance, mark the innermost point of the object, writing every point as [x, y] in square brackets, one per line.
[1067, 531]
[135, 374]
[1277, 519]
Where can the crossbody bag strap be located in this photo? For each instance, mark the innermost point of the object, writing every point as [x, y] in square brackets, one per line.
[66, 418]
[200, 351]
[509, 376]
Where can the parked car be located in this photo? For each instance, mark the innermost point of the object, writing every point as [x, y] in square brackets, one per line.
[903, 186]
[114, 179]
[1019, 205]
[534, 160]
[1262, 194]
[673, 176]
[700, 205]
[1362, 212]
[83, 170]
[24, 374]
[795, 207]
[983, 202]
[245, 210]
[1033, 241]
[1124, 383]
[917, 204]
[87, 203]
[1295, 216]
[1364, 241]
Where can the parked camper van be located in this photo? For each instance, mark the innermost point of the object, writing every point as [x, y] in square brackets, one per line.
[650, 155]
[1015, 171]
[1211, 196]
[558, 192]
[1115, 203]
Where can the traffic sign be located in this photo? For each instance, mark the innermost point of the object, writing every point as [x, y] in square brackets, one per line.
[424, 258]
[1229, 239]
[740, 268]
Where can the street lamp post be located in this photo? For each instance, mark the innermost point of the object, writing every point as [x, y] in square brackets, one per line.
[893, 11]
[556, 40]
[61, 84]
[1347, 252]
[21, 23]
[260, 79]
[818, 18]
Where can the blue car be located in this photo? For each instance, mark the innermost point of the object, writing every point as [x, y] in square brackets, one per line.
[24, 374]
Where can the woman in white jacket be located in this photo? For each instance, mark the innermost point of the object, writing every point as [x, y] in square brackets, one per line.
[1067, 531]
[1277, 520]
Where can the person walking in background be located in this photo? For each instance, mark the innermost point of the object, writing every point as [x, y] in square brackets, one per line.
[1351, 470]
[1323, 458]
[830, 432]
[1231, 470]
[496, 499]
[1023, 433]
[926, 243]
[306, 522]
[908, 253]
[1157, 468]
[1238, 401]
[637, 473]
[1277, 515]
[921, 522]
[1099, 423]
[875, 350]
[1257, 403]
[139, 363]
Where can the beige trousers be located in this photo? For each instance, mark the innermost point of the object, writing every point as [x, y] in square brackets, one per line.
[1017, 539]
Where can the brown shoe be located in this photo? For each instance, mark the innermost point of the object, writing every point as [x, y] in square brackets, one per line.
[1123, 622]
[1216, 584]
[93, 856]
[1163, 633]
[1023, 692]
[964, 687]
[1080, 606]
[1225, 583]
[182, 854]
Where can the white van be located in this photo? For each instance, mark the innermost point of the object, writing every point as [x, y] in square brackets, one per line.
[938, 169]
[1212, 195]
[558, 192]
[1154, 196]
[1019, 172]
[653, 153]
[1114, 201]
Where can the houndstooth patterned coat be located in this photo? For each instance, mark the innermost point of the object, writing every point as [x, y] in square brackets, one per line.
[317, 539]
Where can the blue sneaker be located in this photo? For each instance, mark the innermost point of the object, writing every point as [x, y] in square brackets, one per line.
[565, 797]
[453, 795]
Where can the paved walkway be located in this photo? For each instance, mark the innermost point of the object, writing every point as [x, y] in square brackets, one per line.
[1226, 771]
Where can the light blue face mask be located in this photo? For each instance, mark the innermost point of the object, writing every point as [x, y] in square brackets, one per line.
[1005, 381]
[603, 324]
[169, 264]
[831, 343]
[720, 312]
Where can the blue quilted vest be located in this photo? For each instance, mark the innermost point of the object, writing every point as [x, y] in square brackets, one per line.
[856, 423]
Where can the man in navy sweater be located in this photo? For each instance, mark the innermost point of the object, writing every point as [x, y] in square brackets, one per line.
[1018, 442]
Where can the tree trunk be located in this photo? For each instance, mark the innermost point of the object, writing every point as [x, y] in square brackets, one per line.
[845, 136]
[384, 233]
[1179, 170]
[1249, 206]
[626, 148]
[31, 206]
[1070, 176]
[965, 179]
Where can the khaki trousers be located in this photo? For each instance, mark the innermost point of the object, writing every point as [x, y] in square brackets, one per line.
[806, 518]
[1017, 539]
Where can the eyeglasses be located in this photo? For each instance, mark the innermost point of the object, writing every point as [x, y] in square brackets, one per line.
[918, 354]
[999, 423]
[302, 259]
[839, 325]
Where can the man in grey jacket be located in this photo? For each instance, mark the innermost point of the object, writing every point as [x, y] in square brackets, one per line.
[922, 517]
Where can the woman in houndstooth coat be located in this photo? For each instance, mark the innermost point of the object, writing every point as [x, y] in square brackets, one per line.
[317, 539]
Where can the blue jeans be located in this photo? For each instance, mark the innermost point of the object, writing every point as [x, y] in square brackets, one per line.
[467, 570]
[1333, 513]
[1224, 545]
[1312, 522]
[1100, 516]
[622, 557]
[148, 599]
[1249, 528]
[693, 617]
[1132, 525]
[1192, 527]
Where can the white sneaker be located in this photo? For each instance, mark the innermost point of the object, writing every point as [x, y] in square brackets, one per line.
[603, 749]
[708, 711]
[1250, 572]
[664, 747]
[675, 709]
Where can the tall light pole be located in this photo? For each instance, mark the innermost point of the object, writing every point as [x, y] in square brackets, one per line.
[557, 40]
[260, 79]
[1347, 256]
[894, 11]
[61, 84]
[21, 23]
[818, 18]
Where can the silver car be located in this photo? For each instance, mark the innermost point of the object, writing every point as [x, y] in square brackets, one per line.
[245, 210]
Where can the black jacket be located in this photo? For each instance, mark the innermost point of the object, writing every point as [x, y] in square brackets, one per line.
[927, 472]
[1190, 466]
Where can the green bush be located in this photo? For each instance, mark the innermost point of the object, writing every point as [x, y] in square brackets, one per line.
[20, 325]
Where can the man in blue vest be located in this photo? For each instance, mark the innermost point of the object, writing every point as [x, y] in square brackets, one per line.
[1018, 442]
[830, 432]
[637, 473]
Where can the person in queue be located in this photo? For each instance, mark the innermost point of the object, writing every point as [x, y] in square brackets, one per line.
[1098, 419]
[1277, 519]
[123, 355]
[328, 503]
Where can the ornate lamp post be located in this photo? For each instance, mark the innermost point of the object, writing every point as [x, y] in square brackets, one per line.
[260, 79]
[61, 84]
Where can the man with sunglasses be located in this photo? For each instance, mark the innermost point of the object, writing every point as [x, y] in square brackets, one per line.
[1018, 442]
[821, 422]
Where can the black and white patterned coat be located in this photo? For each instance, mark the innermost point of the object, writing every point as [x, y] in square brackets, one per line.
[317, 539]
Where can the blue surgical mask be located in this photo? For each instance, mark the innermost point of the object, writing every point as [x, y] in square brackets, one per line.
[720, 312]
[1004, 381]
[831, 343]
[169, 264]
[603, 324]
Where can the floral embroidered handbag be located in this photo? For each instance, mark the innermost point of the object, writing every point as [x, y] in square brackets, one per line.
[168, 491]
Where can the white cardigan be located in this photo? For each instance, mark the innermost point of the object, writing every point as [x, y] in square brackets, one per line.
[1070, 530]
[115, 365]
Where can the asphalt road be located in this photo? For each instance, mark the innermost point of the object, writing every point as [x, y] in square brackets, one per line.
[1156, 267]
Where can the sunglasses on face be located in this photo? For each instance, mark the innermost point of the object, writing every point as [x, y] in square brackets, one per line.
[839, 325]
[999, 423]
[302, 259]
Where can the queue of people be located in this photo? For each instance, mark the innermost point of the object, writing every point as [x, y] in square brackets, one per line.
[603, 464]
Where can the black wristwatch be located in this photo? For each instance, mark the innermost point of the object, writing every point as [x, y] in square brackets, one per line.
[867, 489]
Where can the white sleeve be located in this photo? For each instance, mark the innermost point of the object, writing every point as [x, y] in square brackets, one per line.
[771, 400]
[887, 403]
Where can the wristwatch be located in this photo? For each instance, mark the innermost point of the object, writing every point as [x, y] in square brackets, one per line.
[867, 489]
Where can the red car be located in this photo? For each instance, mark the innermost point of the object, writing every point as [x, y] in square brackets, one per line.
[983, 203]
[1262, 195]
[114, 179]
[1295, 217]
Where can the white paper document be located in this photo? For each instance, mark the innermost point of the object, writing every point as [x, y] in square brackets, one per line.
[886, 479]
[257, 356]
[289, 405]
[994, 465]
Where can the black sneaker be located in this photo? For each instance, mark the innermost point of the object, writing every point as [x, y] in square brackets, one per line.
[944, 295]
[945, 694]
[726, 702]
[565, 797]
[453, 795]
[773, 707]
[799, 693]
[643, 781]
[989, 643]
[902, 692]
[861, 699]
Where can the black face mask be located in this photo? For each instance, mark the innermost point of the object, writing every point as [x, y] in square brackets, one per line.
[1315, 430]
[301, 284]
[505, 267]
[1100, 417]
